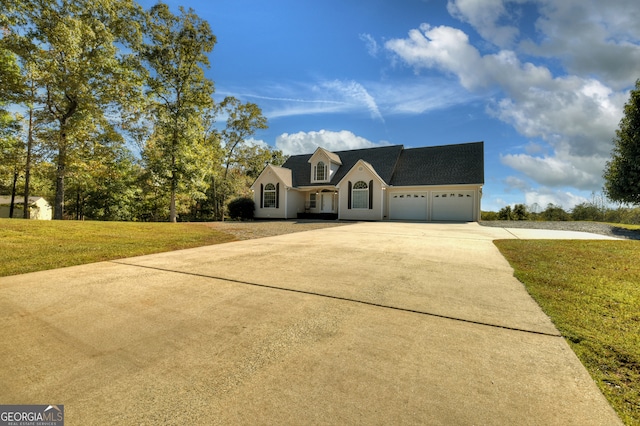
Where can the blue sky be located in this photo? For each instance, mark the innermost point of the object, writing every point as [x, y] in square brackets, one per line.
[543, 82]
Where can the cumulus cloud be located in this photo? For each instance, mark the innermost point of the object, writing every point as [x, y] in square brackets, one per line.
[577, 172]
[484, 16]
[540, 198]
[590, 37]
[536, 199]
[575, 116]
[308, 142]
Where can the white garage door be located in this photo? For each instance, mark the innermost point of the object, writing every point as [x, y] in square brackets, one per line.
[408, 205]
[453, 205]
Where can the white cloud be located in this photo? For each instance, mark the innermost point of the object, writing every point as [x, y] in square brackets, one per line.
[559, 171]
[377, 99]
[590, 37]
[353, 93]
[540, 198]
[371, 44]
[308, 142]
[257, 142]
[484, 16]
[575, 116]
[536, 199]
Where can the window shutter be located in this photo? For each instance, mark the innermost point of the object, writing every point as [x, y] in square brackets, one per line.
[371, 194]
[261, 196]
[278, 195]
[349, 196]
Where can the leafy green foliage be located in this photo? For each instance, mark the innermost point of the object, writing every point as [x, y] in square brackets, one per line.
[82, 74]
[242, 208]
[590, 290]
[554, 213]
[175, 52]
[622, 173]
[96, 77]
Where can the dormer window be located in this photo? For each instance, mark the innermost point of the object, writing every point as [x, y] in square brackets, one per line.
[321, 171]
[324, 165]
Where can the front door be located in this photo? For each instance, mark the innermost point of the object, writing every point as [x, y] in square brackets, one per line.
[326, 202]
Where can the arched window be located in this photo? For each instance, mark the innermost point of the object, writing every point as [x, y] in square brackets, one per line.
[360, 195]
[321, 171]
[269, 196]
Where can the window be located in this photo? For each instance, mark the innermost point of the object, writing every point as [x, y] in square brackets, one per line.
[312, 200]
[269, 195]
[321, 170]
[360, 195]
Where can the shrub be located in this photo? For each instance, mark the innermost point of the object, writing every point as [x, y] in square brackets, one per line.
[519, 212]
[488, 215]
[554, 213]
[505, 213]
[241, 208]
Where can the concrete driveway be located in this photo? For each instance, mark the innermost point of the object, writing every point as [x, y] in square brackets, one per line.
[370, 323]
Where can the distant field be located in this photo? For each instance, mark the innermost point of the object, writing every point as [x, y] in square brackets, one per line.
[31, 245]
[591, 292]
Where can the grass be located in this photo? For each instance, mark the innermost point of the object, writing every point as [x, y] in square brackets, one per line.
[30, 245]
[591, 291]
[625, 226]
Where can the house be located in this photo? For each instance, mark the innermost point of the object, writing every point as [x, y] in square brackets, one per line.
[39, 208]
[439, 183]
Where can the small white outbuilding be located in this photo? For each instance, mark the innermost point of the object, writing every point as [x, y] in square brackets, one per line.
[39, 208]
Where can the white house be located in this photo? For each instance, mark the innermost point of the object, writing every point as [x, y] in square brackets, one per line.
[440, 183]
[39, 208]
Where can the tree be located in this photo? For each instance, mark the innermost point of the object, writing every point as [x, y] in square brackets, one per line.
[11, 154]
[520, 212]
[622, 172]
[75, 47]
[505, 213]
[242, 121]
[554, 213]
[176, 52]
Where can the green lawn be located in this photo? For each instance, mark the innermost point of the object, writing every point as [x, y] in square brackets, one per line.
[591, 291]
[31, 245]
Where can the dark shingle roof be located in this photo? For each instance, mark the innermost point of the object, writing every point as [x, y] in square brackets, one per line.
[382, 159]
[441, 165]
[437, 165]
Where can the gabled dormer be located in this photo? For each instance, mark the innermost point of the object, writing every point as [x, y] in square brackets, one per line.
[324, 164]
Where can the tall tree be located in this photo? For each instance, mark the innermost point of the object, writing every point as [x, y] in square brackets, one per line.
[243, 119]
[176, 52]
[622, 173]
[75, 47]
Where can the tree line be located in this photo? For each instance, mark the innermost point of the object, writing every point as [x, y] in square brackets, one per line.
[106, 111]
[595, 210]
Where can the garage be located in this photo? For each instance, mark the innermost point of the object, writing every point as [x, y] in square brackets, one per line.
[452, 206]
[408, 205]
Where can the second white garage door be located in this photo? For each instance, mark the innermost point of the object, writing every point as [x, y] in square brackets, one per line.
[408, 205]
[453, 205]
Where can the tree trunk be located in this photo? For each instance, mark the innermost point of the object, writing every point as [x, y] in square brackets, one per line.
[172, 206]
[174, 187]
[27, 168]
[13, 195]
[60, 174]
